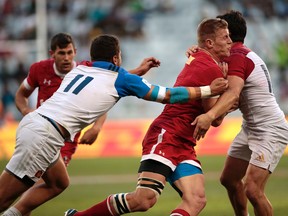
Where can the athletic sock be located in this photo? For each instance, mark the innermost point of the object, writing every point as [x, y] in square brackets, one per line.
[179, 212]
[12, 211]
[101, 208]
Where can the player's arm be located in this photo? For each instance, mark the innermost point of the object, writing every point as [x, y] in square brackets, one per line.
[21, 99]
[185, 94]
[90, 136]
[145, 66]
[207, 105]
[222, 106]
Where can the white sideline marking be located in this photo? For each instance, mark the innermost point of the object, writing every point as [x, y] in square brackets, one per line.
[103, 179]
[132, 178]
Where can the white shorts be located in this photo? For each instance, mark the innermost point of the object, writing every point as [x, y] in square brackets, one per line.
[261, 146]
[38, 146]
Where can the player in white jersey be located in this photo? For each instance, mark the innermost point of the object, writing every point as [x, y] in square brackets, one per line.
[85, 94]
[257, 149]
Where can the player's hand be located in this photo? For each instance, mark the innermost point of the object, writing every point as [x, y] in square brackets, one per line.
[202, 124]
[191, 50]
[218, 86]
[145, 66]
[234, 107]
[89, 137]
[224, 68]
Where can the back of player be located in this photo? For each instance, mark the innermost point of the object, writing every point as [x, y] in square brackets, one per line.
[257, 100]
[88, 92]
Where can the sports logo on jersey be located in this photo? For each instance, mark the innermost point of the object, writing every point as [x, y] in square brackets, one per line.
[48, 82]
[260, 158]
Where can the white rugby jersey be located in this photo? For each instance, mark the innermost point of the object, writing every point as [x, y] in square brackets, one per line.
[88, 92]
[257, 101]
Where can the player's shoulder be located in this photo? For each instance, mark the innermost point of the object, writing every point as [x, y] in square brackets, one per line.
[203, 57]
[240, 49]
[43, 64]
[85, 63]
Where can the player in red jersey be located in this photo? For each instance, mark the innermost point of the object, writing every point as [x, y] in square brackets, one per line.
[168, 148]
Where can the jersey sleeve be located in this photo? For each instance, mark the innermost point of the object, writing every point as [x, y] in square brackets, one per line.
[131, 85]
[236, 66]
[32, 76]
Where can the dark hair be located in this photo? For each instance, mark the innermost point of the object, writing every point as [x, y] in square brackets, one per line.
[236, 25]
[208, 28]
[104, 47]
[61, 40]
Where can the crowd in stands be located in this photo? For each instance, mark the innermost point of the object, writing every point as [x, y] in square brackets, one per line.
[84, 19]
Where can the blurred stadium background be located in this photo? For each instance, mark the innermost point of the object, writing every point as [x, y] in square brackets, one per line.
[160, 28]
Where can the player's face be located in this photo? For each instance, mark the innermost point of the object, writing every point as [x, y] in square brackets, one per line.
[222, 44]
[64, 58]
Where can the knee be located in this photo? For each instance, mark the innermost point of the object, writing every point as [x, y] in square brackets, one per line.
[252, 191]
[59, 186]
[230, 183]
[197, 200]
[224, 181]
[145, 201]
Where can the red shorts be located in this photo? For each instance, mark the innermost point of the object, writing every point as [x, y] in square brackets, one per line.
[167, 148]
[69, 149]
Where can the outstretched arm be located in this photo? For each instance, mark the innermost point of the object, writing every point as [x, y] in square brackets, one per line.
[185, 94]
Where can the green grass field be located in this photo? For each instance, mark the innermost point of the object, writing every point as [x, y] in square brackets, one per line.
[93, 179]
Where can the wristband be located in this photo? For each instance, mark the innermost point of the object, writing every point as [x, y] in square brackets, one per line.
[205, 91]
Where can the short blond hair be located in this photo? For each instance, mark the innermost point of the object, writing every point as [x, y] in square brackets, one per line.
[208, 28]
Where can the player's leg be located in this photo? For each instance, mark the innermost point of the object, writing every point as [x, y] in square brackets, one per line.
[149, 188]
[256, 179]
[232, 179]
[234, 170]
[66, 152]
[38, 151]
[10, 188]
[16, 178]
[56, 180]
[188, 181]
[41, 181]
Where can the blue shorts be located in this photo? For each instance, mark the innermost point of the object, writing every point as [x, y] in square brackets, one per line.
[182, 170]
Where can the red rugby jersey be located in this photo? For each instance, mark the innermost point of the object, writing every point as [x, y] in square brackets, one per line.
[199, 70]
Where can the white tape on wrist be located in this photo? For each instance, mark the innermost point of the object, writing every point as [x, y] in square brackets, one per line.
[205, 91]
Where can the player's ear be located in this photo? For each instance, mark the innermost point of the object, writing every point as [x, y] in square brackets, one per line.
[116, 60]
[51, 53]
[209, 43]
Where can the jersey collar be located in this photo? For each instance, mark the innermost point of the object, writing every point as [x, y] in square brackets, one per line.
[61, 74]
[106, 65]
